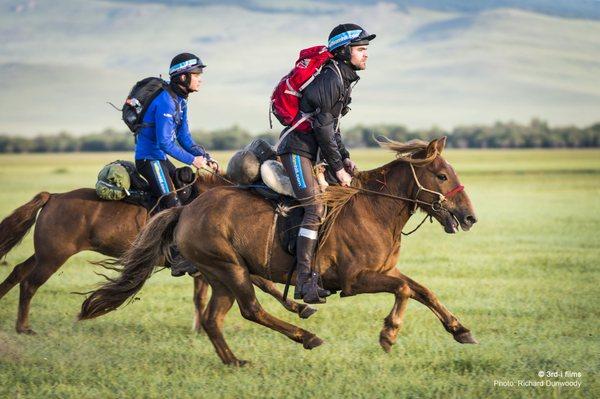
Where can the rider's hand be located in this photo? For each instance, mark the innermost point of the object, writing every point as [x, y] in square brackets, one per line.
[349, 166]
[199, 162]
[343, 177]
[214, 165]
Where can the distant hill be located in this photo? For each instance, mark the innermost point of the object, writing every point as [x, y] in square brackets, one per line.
[585, 9]
[433, 62]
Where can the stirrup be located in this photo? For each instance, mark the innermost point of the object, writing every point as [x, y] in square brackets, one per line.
[310, 292]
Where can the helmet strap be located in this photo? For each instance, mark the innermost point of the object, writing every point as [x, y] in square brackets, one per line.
[180, 87]
[344, 55]
[348, 58]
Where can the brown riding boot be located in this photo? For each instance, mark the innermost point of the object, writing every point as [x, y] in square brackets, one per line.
[307, 287]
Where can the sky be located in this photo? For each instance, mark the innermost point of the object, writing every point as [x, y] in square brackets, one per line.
[433, 63]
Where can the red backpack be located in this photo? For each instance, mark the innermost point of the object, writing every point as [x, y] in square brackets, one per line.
[285, 100]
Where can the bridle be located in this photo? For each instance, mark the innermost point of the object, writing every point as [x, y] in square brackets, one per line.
[436, 205]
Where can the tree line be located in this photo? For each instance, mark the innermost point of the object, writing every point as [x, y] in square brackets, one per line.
[536, 134]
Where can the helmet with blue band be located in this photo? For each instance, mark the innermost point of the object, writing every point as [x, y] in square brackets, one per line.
[348, 34]
[185, 63]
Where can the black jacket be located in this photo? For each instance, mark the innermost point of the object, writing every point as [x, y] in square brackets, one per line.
[330, 95]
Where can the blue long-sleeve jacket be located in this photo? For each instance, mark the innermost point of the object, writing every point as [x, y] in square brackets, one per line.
[168, 134]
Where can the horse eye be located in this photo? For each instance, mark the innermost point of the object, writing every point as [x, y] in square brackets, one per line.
[442, 177]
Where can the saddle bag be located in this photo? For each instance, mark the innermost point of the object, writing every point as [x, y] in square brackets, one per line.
[118, 180]
[244, 165]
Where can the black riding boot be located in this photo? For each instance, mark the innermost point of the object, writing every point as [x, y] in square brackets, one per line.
[307, 280]
[180, 265]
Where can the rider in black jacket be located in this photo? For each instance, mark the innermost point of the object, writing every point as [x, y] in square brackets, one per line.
[326, 99]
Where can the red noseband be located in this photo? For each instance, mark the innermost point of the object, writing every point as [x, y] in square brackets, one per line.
[454, 191]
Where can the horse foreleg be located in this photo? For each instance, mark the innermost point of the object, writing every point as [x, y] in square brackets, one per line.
[267, 286]
[200, 301]
[449, 321]
[371, 282]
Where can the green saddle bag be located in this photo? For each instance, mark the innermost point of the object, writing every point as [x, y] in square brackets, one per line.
[113, 182]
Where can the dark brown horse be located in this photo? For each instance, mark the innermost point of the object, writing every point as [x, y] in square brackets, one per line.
[358, 252]
[76, 221]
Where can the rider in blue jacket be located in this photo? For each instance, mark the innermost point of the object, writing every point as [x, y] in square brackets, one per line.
[166, 132]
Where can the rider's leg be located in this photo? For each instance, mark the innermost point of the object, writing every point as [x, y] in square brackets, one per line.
[305, 186]
[158, 174]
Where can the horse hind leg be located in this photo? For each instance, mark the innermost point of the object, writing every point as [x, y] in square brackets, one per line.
[200, 301]
[220, 303]
[28, 287]
[19, 272]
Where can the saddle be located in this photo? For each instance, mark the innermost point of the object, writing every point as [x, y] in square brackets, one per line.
[275, 186]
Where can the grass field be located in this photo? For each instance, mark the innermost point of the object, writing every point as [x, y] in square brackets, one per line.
[524, 280]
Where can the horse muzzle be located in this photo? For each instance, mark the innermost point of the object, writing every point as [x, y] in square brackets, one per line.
[452, 221]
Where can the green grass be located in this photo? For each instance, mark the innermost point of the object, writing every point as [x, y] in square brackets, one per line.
[524, 280]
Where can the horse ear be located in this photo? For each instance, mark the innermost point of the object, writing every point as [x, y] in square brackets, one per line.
[431, 148]
[441, 143]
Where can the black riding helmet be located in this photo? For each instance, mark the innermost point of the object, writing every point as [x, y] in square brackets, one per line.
[184, 64]
[344, 36]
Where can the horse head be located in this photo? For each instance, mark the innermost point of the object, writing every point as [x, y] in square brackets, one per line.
[435, 186]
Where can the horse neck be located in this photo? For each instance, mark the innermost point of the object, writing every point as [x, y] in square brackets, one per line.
[394, 178]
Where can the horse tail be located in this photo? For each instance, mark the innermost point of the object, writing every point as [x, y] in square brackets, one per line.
[14, 227]
[137, 264]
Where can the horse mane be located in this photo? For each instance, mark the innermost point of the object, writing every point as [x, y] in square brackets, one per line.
[335, 198]
[204, 177]
[409, 151]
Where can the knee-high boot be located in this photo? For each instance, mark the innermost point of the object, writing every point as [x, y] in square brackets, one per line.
[307, 279]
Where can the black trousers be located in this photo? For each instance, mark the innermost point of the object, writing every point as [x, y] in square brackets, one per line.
[160, 175]
[305, 186]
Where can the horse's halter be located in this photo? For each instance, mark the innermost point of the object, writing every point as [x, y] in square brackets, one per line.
[435, 205]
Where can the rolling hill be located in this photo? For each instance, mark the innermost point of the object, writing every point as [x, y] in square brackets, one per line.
[433, 62]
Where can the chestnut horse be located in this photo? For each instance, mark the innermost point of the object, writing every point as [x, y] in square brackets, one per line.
[358, 252]
[75, 221]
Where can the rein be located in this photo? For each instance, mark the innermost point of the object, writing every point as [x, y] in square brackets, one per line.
[188, 185]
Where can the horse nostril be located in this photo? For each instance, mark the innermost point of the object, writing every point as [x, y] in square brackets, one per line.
[471, 220]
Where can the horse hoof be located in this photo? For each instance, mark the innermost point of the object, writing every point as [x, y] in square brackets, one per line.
[312, 342]
[386, 344]
[238, 363]
[307, 312]
[465, 338]
[26, 331]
